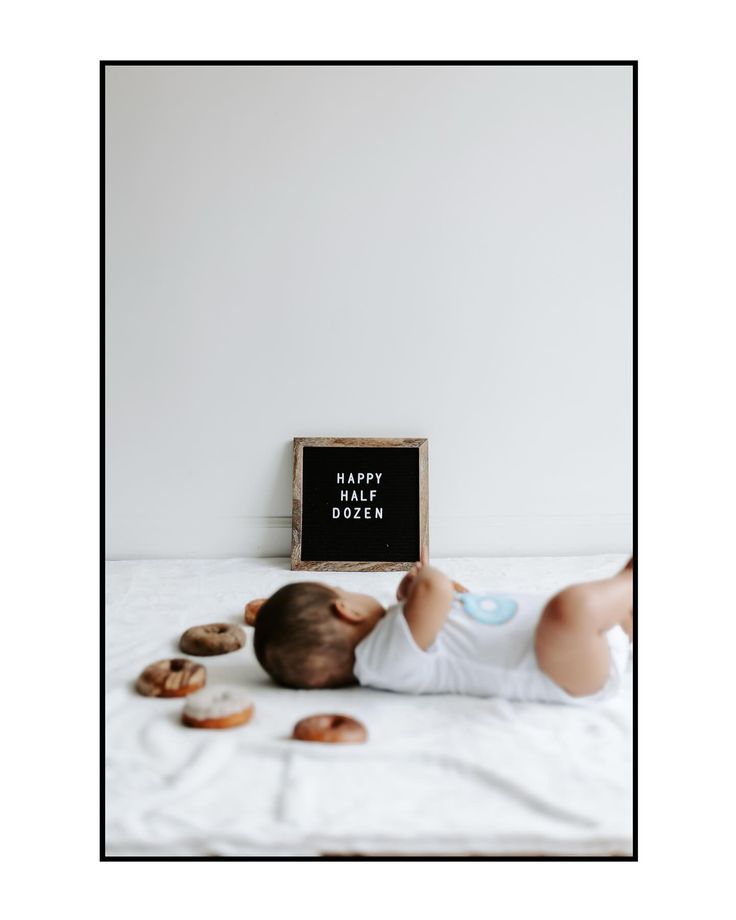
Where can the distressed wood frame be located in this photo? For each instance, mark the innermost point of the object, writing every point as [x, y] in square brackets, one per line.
[296, 513]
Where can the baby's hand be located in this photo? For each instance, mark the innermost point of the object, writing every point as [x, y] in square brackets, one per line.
[404, 589]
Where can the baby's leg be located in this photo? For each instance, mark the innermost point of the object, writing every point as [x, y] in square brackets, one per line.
[570, 641]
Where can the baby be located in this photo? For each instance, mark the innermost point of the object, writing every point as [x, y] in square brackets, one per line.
[439, 638]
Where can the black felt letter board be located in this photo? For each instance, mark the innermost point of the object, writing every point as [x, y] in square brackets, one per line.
[359, 505]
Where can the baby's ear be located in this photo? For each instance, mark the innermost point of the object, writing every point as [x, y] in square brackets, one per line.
[345, 612]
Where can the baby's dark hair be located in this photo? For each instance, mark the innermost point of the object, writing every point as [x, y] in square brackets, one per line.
[298, 639]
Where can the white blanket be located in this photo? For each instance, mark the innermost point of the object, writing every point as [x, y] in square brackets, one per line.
[439, 774]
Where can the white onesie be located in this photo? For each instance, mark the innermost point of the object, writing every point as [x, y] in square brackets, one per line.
[472, 657]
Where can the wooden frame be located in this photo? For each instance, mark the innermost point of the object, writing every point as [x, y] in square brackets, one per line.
[297, 564]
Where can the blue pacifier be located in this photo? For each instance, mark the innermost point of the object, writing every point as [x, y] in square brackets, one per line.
[489, 608]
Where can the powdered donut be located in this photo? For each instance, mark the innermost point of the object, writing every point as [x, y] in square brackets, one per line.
[251, 610]
[212, 639]
[217, 707]
[330, 729]
[171, 677]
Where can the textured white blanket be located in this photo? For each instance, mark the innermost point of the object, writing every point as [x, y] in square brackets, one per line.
[439, 774]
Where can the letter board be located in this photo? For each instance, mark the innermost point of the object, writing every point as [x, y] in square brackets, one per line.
[359, 504]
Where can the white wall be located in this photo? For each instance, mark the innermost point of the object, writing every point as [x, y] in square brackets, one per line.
[379, 251]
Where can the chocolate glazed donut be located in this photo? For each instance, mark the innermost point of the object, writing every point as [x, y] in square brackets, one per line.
[171, 677]
[212, 639]
[330, 729]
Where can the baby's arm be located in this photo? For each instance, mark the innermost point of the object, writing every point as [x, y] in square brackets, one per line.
[428, 595]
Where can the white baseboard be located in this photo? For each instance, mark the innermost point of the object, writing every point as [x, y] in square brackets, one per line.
[485, 535]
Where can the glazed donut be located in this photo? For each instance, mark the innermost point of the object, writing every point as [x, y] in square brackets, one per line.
[217, 707]
[330, 729]
[251, 610]
[212, 639]
[171, 677]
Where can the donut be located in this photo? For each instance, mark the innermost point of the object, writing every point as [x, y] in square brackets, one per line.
[212, 639]
[460, 589]
[330, 729]
[217, 707]
[251, 610]
[171, 677]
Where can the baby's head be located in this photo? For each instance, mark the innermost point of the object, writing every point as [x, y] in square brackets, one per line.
[306, 634]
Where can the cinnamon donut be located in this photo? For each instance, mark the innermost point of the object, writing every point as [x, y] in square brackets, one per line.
[330, 729]
[217, 707]
[212, 639]
[251, 610]
[171, 677]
